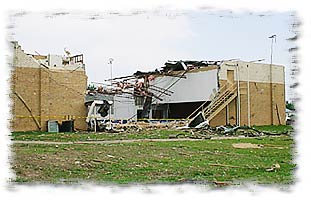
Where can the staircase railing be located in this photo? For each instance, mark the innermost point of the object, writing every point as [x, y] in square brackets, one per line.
[220, 102]
[222, 98]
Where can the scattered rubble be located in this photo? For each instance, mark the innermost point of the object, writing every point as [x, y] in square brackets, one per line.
[196, 128]
[197, 120]
[274, 167]
[181, 129]
[222, 183]
[141, 125]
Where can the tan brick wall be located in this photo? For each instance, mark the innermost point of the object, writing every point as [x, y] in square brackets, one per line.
[51, 95]
[219, 119]
[260, 105]
[26, 84]
[67, 95]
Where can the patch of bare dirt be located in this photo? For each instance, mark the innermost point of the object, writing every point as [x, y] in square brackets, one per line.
[247, 146]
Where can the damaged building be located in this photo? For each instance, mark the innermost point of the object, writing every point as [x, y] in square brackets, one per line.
[229, 92]
[46, 87]
[232, 92]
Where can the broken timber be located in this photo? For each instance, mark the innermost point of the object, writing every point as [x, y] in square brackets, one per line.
[29, 109]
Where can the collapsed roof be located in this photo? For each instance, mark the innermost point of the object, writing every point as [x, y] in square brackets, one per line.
[170, 66]
[137, 80]
[184, 65]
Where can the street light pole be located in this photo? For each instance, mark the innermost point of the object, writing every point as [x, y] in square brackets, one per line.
[110, 123]
[273, 38]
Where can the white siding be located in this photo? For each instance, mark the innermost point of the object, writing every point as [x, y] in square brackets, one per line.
[21, 59]
[124, 108]
[197, 86]
[55, 60]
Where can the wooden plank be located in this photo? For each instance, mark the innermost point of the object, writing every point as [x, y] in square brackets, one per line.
[210, 117]
[29, 109]
[277, 111]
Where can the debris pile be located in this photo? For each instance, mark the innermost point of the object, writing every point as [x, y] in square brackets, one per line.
[140, 125]
[233, 131]
[180, 129]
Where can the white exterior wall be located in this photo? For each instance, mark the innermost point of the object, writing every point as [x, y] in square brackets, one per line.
[258, 72]
[197, 86]
[76, 67]
[124, 108]
[21, 59]
[55, 60]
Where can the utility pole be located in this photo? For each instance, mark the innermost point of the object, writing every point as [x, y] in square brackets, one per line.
[110, 123]
[273, 38]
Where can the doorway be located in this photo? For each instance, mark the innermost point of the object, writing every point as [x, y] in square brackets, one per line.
[230, 76]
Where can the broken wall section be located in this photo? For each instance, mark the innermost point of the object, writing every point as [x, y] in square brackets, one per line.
[40, 94]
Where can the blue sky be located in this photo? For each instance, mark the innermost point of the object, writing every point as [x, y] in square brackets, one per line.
[145, 40]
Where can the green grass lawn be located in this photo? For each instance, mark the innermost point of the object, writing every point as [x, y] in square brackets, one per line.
[274, 128]
[153, 162]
